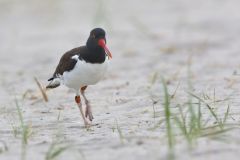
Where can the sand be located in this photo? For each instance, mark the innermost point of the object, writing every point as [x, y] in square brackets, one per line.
[146, 38]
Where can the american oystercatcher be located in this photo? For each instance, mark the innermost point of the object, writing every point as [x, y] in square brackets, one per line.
[81, 67]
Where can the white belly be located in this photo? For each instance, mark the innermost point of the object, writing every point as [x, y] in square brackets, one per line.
[84, 74]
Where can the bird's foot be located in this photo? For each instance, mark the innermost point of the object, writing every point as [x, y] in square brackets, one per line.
[87, 124]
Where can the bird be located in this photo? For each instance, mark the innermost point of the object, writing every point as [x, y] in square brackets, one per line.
[83, 66]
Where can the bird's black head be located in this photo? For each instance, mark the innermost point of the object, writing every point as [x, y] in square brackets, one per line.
[97, 33]
[97, 41]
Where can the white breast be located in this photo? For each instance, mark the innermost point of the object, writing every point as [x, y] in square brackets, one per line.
[84, 74]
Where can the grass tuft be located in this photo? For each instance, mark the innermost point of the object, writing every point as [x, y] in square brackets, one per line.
[55, 150]
[119, 132]
[26, 131]
[168, 115]
[186, 119]
[4, 147]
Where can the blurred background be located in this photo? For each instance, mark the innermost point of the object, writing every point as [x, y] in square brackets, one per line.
[36, 33]
[148, 38]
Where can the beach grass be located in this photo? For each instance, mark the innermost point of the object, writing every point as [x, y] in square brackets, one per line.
[25, 130]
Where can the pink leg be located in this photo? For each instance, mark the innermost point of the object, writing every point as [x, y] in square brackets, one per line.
[78, 101]
[88, 112]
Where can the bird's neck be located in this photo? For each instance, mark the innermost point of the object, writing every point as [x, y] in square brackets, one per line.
[95, 55]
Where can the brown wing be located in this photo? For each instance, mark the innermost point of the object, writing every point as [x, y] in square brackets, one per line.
[66, 62]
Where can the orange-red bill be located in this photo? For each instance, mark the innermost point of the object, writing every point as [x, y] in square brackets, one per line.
[102, 43]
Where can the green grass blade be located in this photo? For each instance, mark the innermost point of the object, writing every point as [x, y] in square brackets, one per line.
[209, 108]
[226, 115]
[167, 114]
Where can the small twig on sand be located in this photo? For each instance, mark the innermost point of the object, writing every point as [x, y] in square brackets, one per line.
[43, 91]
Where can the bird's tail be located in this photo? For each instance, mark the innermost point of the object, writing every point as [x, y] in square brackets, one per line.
[55, 82]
